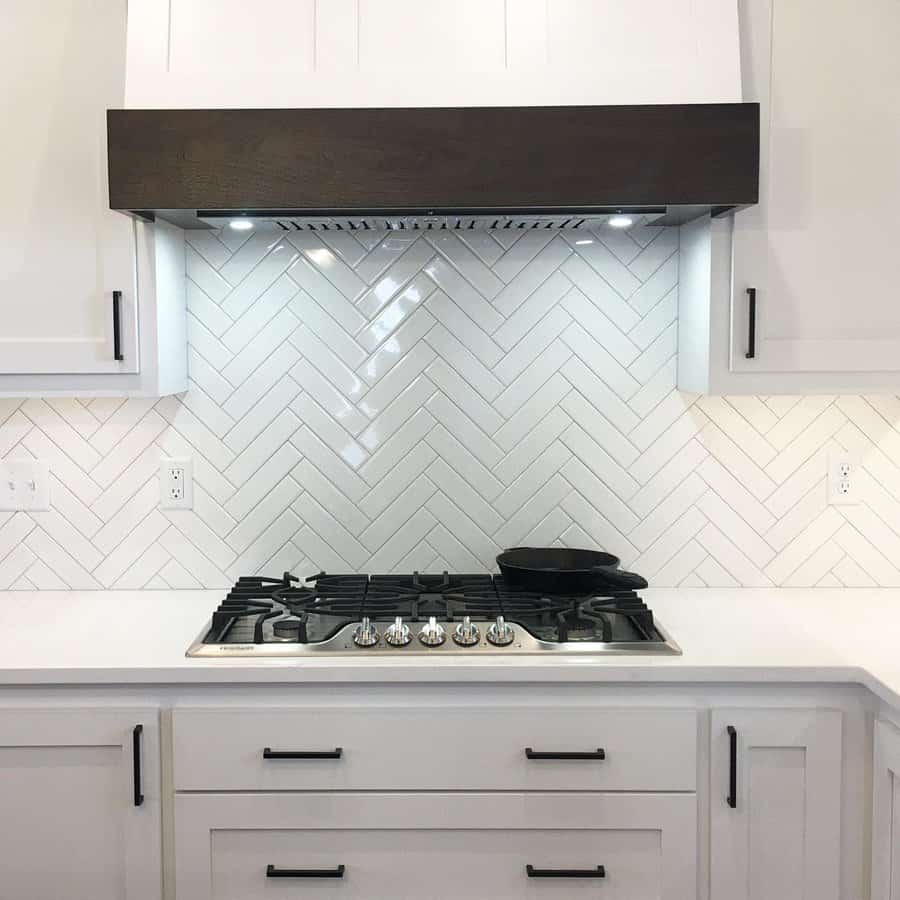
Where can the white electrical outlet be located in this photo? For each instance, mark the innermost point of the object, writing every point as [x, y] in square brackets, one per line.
[841, 480]
[24, 484]
[176, 484]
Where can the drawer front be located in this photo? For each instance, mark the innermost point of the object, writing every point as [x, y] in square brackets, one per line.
[451, 748]
[446, 846]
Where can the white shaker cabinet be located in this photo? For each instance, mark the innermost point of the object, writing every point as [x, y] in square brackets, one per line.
[819, 250]
[320, 53]
[442, 801]
[886, 813]
[79, 804]
[66, 260]
[436, 846]
[775, 807]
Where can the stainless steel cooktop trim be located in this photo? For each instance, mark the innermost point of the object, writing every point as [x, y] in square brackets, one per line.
[341, 644]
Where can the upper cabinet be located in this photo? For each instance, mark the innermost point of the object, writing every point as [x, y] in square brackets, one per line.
[319, 53]
[90, 300]
[817, 254]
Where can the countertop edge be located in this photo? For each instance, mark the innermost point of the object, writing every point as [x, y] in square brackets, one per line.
[538, 673]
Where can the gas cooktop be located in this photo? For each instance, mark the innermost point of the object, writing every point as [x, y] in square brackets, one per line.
[423, 614]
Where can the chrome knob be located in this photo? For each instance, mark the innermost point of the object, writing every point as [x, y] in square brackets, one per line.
[500, 633]
[432, 634]
[397, 634]
[366, 635]
[466, 634]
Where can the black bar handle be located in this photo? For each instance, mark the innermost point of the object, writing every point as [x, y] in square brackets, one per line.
[751, 325]
[269, 753]
[117, 327]
[599, 753]
[274, 872]
[598, 872]
[136, 736]
[731, 799]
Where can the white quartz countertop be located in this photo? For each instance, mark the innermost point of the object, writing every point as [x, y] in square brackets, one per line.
[737, 635]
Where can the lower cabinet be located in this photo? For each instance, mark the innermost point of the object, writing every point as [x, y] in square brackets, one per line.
[567, 801]
[775, 800]
[409, 748]
[79, 804]
[886, 813]
[436, 846]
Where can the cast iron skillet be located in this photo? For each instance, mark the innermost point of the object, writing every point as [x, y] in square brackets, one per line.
[561, 570]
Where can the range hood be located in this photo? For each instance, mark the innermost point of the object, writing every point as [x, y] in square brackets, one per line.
[426, 168]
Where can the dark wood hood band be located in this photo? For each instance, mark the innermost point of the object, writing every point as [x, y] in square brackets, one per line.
[489, 158]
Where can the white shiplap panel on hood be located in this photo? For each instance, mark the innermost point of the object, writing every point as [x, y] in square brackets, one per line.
[211, 54]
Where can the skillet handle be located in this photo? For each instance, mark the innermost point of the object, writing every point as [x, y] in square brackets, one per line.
[619, 578]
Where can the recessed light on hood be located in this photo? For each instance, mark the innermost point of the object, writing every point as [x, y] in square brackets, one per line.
[240, 224]
[620, 222]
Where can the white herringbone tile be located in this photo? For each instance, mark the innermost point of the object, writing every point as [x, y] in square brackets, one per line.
[464, 295]
[385, 401]
[258, 349]
[413, 259]
[393, 315]
[600, 293]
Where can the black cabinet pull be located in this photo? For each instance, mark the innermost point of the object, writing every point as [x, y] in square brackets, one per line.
[599, 753]
[136, 734]
[599, 872]
[273, 872]
[269, 753]
[117, 328]
[731, 799]
[751, 325]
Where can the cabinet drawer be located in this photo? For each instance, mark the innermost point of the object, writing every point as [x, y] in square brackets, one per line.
[447, 748]
[447, 846]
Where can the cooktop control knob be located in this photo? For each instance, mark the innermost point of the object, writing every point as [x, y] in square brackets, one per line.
[466, 634]
[500, 634]
[366, 635]
[432, 634]
[397, 633]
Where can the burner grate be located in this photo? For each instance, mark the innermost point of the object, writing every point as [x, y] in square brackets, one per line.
[250, 597]
[261, 610]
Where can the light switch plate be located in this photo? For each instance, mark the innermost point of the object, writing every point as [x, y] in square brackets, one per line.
[24, 485]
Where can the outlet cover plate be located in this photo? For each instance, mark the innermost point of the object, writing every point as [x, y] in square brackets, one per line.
[24, 485]
[175, 472]
[842, 476]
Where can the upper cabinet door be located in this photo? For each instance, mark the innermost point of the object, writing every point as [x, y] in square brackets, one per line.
[307, 53]
[62, 251]
[820, 249]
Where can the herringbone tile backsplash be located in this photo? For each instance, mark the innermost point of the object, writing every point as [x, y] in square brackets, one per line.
[386, 401]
